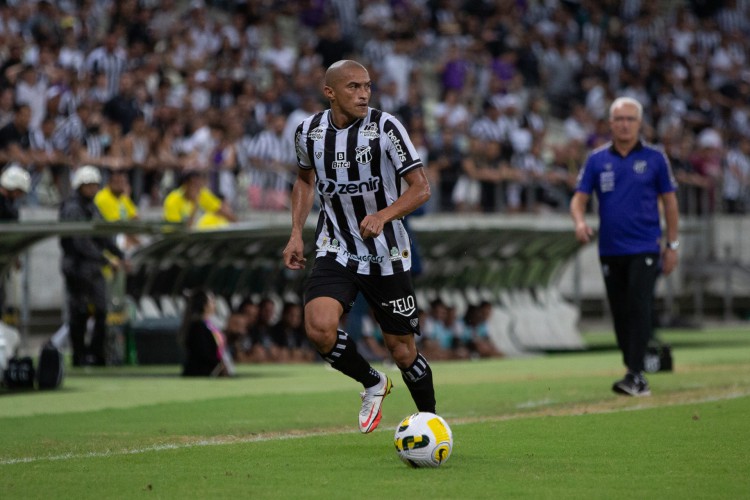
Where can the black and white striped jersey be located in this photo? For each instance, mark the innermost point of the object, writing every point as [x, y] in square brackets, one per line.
[358, 171]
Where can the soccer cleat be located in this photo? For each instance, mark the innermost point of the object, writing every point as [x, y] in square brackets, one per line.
[369, 415]
[632, 385]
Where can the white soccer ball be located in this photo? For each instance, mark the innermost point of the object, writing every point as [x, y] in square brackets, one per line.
[423, 440]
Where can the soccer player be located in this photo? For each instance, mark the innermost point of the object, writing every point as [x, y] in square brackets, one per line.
[629, 179]
[354, 158]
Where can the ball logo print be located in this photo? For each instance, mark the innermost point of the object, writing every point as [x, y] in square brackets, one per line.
[423, 440]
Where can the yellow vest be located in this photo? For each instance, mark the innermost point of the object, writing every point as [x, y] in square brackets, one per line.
[113, 207]
[177, 208]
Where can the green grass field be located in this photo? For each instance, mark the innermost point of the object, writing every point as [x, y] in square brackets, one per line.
[546, 426]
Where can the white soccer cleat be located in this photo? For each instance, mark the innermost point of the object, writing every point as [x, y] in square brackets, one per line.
[372, 401]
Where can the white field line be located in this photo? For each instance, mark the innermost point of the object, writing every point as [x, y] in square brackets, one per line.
[227, 440]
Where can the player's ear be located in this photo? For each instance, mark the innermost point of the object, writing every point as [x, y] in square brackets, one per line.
[328, 92]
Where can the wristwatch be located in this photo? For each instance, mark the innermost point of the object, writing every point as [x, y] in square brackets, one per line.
[673, 245]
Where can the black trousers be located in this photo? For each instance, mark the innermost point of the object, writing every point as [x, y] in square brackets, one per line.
[630, 281]
[87, 297]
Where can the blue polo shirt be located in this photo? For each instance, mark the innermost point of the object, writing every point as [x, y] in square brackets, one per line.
[628, 189]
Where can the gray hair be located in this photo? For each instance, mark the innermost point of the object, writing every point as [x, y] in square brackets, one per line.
[626, 100]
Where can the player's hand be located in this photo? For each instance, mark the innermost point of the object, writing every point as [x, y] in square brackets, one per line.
[294, 254]
[371, 226]
[669, 260]
[583, 232]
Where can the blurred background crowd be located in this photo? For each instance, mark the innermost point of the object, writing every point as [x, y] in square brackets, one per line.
[503, 98]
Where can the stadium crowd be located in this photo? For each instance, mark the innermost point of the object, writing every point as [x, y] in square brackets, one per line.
[503, 98]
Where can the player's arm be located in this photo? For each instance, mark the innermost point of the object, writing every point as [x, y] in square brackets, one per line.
[303, 195]
[416, 194]
[671, 217]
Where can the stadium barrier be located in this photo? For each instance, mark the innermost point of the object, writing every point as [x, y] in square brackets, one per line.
[514, 265]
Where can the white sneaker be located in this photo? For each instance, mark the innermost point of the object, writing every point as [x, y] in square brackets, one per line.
[372, 400]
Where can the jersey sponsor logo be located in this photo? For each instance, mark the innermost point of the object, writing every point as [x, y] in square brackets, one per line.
[363, 154]
[405, 306]
[316, 134]
[394, 254]
[329, 187]
[607, 181]
[340, 161]
[301, 153]
[397, 145]
[334, 247]
[370, 131]
[639, 167]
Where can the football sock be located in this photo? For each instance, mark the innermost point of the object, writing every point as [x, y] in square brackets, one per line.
[345, 358]
[418, 378]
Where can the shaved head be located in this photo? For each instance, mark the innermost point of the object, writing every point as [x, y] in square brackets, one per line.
[336, 70]
[348, 89]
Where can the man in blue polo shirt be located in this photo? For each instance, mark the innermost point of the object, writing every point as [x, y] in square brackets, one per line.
[629, 179]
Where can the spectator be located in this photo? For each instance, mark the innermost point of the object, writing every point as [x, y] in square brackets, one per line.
[108, 60]
[270, 166]
[736, 190]
[445, 167]
[261, 332]
[372, 343]
[475, 335]
[122, 108]
[15, 137]
[191, 199]
[246, 350]
[204, 345]
[437, 341]
[289, 343]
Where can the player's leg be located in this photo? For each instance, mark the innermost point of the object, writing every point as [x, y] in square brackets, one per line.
[77, 317]
[98, 299]
[328, 289]
[394, 306]
[614, 271]
[415, 370]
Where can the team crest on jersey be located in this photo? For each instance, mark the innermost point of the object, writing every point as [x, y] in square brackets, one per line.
[370, 131]
[318, 154]
[341, 161]
[363, 154]
[316, 134]
[639, 167]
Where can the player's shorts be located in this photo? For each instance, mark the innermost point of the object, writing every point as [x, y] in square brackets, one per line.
[391, 298]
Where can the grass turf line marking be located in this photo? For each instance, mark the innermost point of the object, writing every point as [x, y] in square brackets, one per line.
[577, 410]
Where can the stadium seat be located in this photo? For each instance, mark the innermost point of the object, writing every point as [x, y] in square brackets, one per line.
[148, 308]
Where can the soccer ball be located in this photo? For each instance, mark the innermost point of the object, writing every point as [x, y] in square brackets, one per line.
[423, 440]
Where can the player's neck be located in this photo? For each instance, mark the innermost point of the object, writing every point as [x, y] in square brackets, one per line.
[342, 120]
[624, 147]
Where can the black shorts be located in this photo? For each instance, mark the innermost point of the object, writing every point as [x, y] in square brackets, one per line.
[391, 298]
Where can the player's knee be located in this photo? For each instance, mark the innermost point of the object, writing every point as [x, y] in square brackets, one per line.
[322, 334]
[403, 353]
